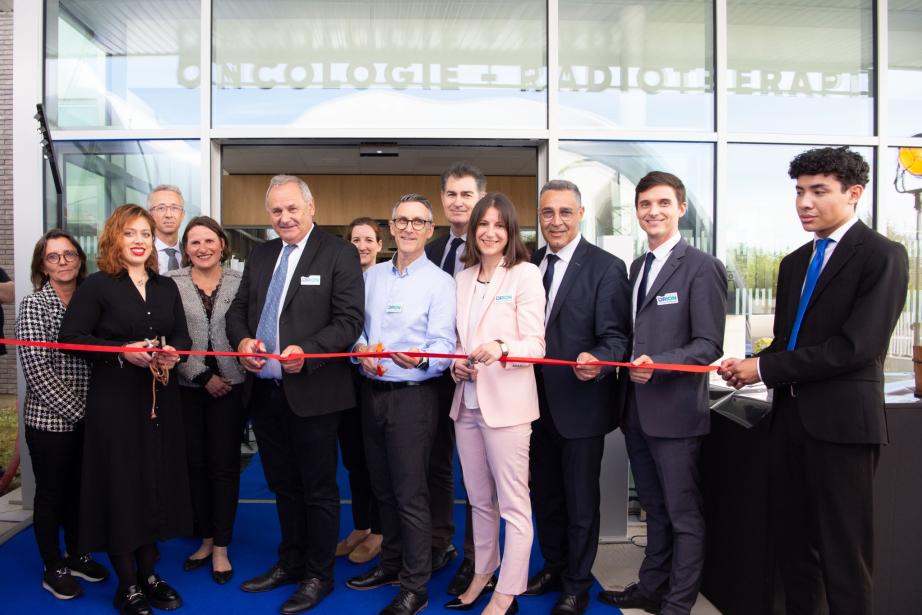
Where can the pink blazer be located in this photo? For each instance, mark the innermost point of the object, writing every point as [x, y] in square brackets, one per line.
[513, 311]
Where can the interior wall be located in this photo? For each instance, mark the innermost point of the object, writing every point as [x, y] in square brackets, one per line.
[342, 198]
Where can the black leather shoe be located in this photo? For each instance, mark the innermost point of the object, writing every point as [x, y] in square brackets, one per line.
[373, 579]
[160, 594]
[406, 603]
[544, 581]
[194, 564]
[308, 595]
[571, 604]
[132, 602]
[274, 578]
[462, 579]
[630, 598]
[443, 557]
[458, 605]
[222, 576]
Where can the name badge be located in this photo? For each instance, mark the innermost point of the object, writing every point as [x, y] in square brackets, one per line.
[507, 298]
[310, 280]
[394, 308]
[667, 299]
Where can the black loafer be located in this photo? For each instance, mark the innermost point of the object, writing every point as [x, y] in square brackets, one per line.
[406, 603]
[307, 596]
[443, 557]
[462, 579]
[630, 598]
[222, 576]
[132, 602]
[194, 564]
[571, 604]
[457, 605]
[373, 579]
[274, 578]
[160, 594]
[544, 581]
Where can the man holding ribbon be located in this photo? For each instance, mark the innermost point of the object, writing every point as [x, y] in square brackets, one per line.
[409, 307]
[679, 306]
[839, 297]
[300, 293]
[166, 205]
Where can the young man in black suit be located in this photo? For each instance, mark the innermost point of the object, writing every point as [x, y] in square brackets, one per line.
[839, 297]
[300, 293]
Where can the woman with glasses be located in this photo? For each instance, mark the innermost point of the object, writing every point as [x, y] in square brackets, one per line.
[211, 388]
[56, 386]
[500, 314]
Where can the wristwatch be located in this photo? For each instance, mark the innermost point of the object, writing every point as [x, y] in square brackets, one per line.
[423, 363]
[503, 348]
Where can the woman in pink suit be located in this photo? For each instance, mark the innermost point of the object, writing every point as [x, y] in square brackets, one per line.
[500, 312]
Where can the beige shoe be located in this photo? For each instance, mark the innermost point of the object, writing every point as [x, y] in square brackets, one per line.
[364, 553]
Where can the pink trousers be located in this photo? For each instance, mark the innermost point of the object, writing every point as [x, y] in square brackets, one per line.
[495, 464]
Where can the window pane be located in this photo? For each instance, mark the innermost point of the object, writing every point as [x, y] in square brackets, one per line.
[800, 67]
[633, 65]
[126, 64]
[98, 176]
[400, 63]
[759, 226]
[904, 82]
[607, 172]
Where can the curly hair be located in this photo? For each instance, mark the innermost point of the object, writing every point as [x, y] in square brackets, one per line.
[110, 240]
[842, 163]
[38, 275]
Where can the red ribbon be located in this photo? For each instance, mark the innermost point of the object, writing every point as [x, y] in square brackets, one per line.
[676, 367]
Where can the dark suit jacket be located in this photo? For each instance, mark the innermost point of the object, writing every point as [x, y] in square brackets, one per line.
[435, 249]
[319, 319]
[591, 313]
[837, 368]
[689, 331]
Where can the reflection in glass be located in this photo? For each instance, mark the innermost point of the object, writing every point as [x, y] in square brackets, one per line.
[633, 65]
[400, 63]
[800, 67]
[607, 173]
[904, 83]
[99, 176]
[126, 64]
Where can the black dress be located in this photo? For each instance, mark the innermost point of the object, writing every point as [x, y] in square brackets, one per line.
[135, 482]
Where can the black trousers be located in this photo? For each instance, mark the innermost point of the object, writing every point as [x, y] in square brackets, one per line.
[565, 498]
[399, 428]
[299, 459]
[213, 426]
[56, 462]
[441, 476]
[352, 446]
[669, 487]
[822, 497]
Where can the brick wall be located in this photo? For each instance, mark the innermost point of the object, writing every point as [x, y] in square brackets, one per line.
[7, 362]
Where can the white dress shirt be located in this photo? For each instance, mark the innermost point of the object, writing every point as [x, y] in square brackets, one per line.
[560, 268]
[163, 258]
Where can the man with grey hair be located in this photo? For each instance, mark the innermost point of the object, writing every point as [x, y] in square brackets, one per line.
[167, 206]
[409, 306]
[301, 293]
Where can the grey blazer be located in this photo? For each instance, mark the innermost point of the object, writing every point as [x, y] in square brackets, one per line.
[201, 330]
[687, 327]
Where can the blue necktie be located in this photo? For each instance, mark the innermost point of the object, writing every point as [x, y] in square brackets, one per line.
[813, 274]
[267, 331]
[642, 289]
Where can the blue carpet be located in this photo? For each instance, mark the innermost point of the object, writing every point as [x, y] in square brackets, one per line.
[252, 552]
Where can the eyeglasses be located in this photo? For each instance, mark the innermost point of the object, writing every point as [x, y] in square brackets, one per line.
[162, 209]
[418, 223]
[54, 258]
[565, 214]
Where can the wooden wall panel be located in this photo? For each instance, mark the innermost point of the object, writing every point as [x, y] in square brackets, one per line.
[342, 198]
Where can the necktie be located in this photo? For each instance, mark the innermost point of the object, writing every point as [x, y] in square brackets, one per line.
[449, 265]
[642, 289]
[813, 274]
[548, 278]
[172, 262]
[267, 331]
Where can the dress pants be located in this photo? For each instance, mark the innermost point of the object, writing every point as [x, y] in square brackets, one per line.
[566, 499]
[668, 484]
[399, 427]
[299, 459]
[352, 446]
[213, 426]
[56, 462]
[495, 462]
[822, 499]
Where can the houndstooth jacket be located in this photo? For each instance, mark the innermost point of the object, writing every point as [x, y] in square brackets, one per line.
[56, 382]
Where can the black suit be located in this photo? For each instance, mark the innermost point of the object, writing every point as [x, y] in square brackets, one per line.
[591, 313]
[828, 416]
[296, 419]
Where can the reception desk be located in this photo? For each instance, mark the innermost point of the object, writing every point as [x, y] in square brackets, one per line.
[739, 576]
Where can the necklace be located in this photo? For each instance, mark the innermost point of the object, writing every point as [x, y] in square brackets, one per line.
[140, 283]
